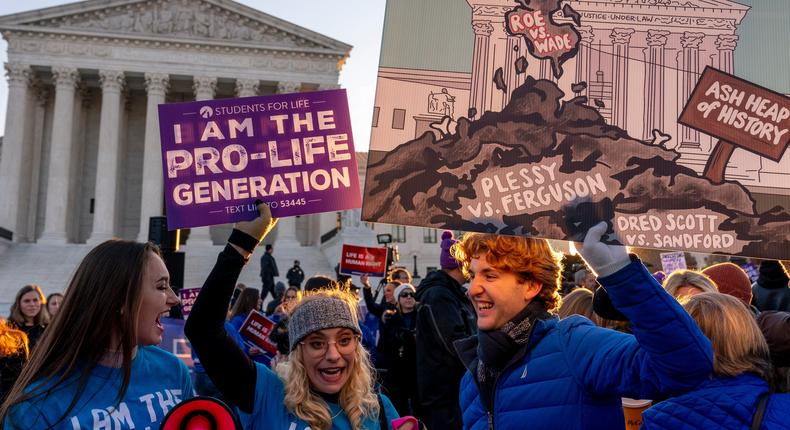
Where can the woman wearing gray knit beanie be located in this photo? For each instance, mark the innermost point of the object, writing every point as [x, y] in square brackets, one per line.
[328, 380]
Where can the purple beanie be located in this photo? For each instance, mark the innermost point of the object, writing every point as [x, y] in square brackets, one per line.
[445, 259]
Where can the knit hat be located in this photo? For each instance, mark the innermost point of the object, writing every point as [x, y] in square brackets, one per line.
[318, 314]
[772, 275]
[731, 280]
[446, 260]
[403, 287]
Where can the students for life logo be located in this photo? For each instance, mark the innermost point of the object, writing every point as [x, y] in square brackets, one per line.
[206, 112]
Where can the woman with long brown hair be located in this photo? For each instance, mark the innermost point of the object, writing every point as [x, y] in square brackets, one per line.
[97, 365]
[327, 381]
[29, 313]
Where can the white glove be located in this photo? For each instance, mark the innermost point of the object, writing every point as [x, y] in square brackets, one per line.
[602, 258]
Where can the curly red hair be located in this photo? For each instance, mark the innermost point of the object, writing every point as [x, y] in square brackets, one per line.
[531, 259]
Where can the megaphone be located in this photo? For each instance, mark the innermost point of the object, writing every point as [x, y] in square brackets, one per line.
[201, 413]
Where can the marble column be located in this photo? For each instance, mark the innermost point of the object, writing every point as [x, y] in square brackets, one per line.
[156, 85]
[61, 149]
[286, 227]
[726, 44]
[42, 94]
[205, 87]
[583, 57]
[480, 80]
[689, 138]
[512, 80]
[654, 82]
[247, 87]
[621, 39]
[105, 209]
[15, 151]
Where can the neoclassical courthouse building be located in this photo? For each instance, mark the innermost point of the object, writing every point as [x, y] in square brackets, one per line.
[80, 161]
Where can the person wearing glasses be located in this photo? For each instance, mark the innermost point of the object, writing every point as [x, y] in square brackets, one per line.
[327, 381]
[398, 344]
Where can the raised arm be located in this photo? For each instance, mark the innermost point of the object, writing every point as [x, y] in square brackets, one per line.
[226, 364]
[668, 354]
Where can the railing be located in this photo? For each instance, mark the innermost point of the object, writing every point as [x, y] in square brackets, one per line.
[329, 235]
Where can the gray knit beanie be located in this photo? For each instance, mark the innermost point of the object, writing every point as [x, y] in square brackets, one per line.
[318, 314]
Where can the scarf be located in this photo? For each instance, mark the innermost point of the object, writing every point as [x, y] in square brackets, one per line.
[495, 348]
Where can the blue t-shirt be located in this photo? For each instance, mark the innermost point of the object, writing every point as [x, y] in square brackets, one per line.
[159, 381]
[270, 413]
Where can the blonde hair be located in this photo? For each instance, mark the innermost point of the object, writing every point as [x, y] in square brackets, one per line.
[530, 259]
[579, 302]
[738, 344]
[12, 341]
[688, 278]
[357, 397]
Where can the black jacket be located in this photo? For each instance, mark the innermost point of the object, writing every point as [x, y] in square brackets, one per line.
[771, 291]
[268, 267]
[444, 315]
[295, 276]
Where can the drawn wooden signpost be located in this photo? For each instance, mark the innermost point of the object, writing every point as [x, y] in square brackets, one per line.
[739, 113]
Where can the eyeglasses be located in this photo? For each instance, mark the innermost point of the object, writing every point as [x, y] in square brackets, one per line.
[402, 295]
[345, 345]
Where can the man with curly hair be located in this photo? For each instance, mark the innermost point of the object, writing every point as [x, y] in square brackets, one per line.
[525, 368]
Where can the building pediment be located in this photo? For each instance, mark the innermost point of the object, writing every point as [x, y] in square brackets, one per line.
[215, 21]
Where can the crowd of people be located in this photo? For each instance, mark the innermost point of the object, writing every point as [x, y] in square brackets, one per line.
[498, 338]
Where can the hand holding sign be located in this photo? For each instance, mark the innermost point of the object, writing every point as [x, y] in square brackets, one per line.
[602, 258]
[259, 227]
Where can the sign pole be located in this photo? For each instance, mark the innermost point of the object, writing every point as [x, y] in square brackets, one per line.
[717, 163]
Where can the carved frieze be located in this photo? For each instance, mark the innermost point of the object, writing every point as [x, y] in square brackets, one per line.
[191, 19]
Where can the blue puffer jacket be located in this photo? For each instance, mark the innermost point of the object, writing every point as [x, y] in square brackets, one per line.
[572, 374]
[721, 403]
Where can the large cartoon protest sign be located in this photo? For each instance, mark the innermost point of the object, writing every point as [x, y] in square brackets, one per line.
[509, 111]
[294, 152]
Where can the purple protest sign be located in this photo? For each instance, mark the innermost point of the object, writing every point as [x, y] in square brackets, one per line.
[294, 152]
[188, 297]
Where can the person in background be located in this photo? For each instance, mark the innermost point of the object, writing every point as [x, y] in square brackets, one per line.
[390, 303]
[397, 342]
[527, 368]
[580, 302]
[399, 275]
[320, 282]
[730, 279]
[291, 297]
[327, 381]
[29, 313]
[684, 283]
[741, 368]
[295, 275]
[585, 279]
[53, 304]
[268, 272]
[444, 315]
[775, 326]
[249, 300]
[99, 356]
[771, 292]
[279, 290]
[13, 356]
